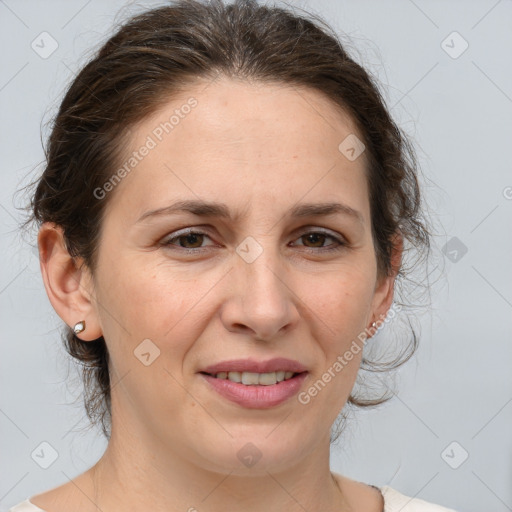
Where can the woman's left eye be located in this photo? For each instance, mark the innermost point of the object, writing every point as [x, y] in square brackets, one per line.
[195, 239]
[316, 237]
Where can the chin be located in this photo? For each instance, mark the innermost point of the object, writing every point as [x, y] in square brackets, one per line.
[255, 451]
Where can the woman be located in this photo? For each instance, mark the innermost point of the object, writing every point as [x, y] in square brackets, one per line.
[223, 215]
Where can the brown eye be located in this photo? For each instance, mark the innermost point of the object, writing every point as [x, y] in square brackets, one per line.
[194, 239]
[189, 240]
[316, 240]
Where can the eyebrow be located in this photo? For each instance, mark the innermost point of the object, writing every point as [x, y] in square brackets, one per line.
[221, 210]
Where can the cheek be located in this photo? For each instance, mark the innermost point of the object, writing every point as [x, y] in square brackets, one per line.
[152, 303]
[342, 299]
[339, 307]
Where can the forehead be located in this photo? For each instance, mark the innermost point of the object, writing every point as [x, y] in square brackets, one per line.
[243, 143]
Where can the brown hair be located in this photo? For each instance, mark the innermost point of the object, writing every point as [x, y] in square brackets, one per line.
[160, 52]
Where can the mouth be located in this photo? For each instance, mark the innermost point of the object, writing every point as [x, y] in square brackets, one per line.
[255, 390]
[255, 379]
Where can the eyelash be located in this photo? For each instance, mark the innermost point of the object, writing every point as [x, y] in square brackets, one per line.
[339, 245]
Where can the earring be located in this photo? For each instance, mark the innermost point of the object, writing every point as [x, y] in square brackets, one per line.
[374, 325]
[79, 327]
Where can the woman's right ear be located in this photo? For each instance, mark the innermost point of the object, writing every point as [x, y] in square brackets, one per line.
[68, 282]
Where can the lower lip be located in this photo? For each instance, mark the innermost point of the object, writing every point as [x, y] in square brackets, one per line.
[257, 397]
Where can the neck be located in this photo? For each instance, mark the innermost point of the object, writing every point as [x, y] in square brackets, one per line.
[136, 473]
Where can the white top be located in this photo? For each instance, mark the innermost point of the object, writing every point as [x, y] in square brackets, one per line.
[394, 501]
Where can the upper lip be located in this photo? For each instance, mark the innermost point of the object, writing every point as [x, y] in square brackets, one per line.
[251, 365]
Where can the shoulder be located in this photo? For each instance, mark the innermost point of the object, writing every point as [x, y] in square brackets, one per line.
[68, 496]
[373, 498]
[395, 501]
[359, 496]
[25, 506]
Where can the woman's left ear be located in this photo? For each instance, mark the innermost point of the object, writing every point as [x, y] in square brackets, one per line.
[384, 289]
[68, 282]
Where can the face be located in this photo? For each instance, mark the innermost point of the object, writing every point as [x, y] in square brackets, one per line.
[176, 291]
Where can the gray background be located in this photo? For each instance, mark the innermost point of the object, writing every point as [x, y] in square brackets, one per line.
[458, 388]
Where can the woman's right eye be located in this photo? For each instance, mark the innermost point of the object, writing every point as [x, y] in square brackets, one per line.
[188, 237]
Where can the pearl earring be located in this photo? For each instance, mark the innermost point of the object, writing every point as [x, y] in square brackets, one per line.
[79, 327]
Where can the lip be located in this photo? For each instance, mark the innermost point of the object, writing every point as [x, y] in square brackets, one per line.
[256, 396]
[251, 365]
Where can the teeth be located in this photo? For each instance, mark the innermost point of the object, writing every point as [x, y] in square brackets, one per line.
[254, 379]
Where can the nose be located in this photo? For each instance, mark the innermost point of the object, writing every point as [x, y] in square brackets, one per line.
[261, 302]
